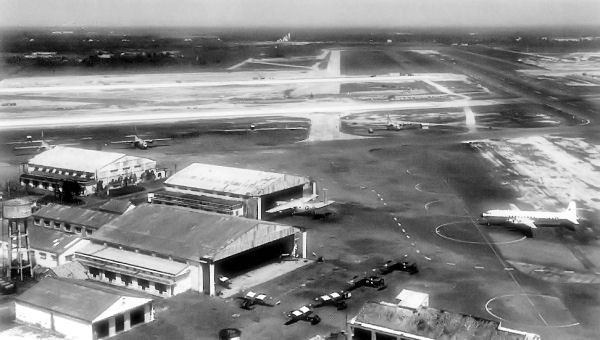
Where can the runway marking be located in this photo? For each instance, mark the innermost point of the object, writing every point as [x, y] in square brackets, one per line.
[509, 268]
[479, 267]
[527, 296]
[427, 258]
[407, 236]
[539, 270]
[451, 264]
[384, 203]
[429, 203]
[396, 219]
[404, 231]
[437, 231]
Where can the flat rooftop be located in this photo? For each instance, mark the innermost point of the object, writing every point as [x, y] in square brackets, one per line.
[238, 181]
[431, 322]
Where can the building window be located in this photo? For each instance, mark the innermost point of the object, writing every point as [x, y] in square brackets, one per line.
[78, 230]
[161, 288]
[88, 232]
[67, 227]
[126, 279]
[37, 221]
[47, 223]
[137, 316]
[57, 225]
[111, 276]
[94, 271]
[42, 255]
[101, 329]
[119, 323]
[143, 283]
[53, 257]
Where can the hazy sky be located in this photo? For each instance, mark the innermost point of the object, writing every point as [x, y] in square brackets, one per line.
[298, 13]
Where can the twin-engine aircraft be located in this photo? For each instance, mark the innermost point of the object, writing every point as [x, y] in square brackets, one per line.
[532, 220]
[140, 143]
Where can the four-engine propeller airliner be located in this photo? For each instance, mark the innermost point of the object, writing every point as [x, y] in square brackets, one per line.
[531, 220]
[140, 143]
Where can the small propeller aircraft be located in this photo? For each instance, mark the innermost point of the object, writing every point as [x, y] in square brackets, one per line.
[252, 299]
[38, 145]
[337, 299]
[373, 281]
[304, 313]
[140, 143]
[390, 266]
[402, 125]
[302, 206]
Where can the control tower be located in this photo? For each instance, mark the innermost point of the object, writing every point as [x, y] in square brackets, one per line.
[16, 215]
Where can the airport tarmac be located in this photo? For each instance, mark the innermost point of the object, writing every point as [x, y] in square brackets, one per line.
[409, 194]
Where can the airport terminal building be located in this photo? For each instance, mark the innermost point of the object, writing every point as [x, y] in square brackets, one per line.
[49, 170]
[166, 250]
[227, 190]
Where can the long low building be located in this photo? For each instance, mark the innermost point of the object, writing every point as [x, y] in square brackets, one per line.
[91, 169]
[228, 190]
[71, 220]
[82, 310]
[165, 250]
[412, 319]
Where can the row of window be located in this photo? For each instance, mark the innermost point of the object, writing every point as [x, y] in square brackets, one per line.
[62, 226]
[127, 280]
[62, 172]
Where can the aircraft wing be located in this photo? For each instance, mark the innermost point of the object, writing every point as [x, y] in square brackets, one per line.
[319, 205]
[122, 142]
[514, 207]
[155, 140]
[524, 223]
[27, 147]
[282, 207]
[26, 142]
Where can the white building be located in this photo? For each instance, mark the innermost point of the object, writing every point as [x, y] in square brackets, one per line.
[49, 248]
[49, 170]
[228, 190]
[166, 250]
[81, 310]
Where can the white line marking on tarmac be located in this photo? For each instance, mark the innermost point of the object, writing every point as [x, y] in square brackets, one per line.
[543, 320]
[569, 272]
[405, 231]
[427, 258]
[539, 270]
[451, 264]
[407, 236]
[479, 267]
[396, 219]
[509, 268]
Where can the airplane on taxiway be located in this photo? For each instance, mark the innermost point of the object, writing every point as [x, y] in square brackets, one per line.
[531, 220]
[37, 145]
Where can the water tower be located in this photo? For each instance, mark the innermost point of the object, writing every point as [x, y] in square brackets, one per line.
[16, 215]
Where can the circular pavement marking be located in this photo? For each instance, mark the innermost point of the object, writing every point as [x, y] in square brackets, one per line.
[535, 310]
[439, 230]
[419, 187]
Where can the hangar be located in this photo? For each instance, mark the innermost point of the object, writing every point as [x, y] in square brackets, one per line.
[91, 169]
[227, 190]
[166, 250]
[82, 310]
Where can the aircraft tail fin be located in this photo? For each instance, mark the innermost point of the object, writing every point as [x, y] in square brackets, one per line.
[572, 212]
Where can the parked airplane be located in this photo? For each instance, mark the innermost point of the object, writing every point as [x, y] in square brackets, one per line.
[531, 220]
[402, 125]
[301, 206]
[303, 313]
[38, 144]
[140, 143]
[253, 127]
[252, 299]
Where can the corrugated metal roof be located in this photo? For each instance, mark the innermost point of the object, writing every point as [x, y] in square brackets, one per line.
[115, 206]
[49, 240]
[64, 157]
[176, 231]
[133, 259]
[71, 270]
[52, 241]
[75, 215]
[234, 180]
[69, 298]
[406, 320]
